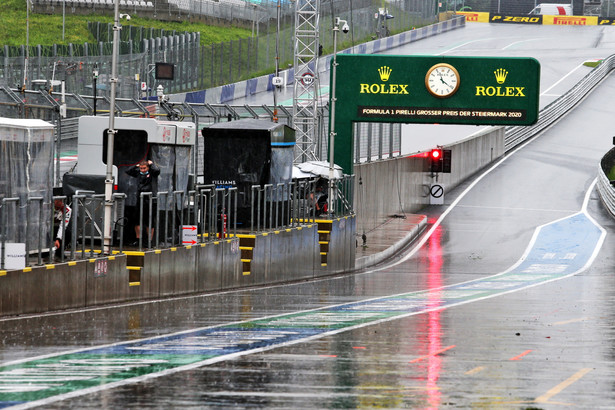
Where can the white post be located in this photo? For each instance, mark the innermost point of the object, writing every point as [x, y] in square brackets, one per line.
[336, 29]
[111, 131]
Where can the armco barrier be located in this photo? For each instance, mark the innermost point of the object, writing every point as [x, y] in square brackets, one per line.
[554, 111]
[515, 136]
[605, 188]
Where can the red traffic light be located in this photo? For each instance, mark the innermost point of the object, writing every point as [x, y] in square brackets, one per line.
[440, 160]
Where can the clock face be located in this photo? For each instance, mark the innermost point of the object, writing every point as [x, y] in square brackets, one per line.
[442, 80]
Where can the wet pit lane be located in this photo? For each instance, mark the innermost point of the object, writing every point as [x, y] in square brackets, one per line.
[432, 329]
[541, 346]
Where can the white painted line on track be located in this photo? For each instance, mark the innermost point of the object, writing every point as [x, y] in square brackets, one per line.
[523, 41]
[544, 93]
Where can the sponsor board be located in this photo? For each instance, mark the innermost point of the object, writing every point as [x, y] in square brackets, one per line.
[453, 90]
[502, 18]
[570, 20]
[475, 17]
[481, 17]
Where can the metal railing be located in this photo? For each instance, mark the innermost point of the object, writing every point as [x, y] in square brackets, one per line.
[213, 211]
[515, 136]
[606, 187]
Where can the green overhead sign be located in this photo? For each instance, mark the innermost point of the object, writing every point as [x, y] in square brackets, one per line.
[432, 89]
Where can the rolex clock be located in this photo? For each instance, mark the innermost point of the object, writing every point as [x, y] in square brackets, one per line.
[442, 80]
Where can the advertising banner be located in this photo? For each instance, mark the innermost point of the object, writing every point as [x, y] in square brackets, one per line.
[475, 17]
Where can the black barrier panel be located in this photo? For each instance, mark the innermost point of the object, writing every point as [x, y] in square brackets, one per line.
[606, 21]
[167, 271]
[107, 280]
[185, 270]
[32, 290]
[231, 263]
[209, 272]
[515, 19]
[71, 183]
[248, 152]
[260, 269]
[9, 288]
[66, 286]
[150, 276]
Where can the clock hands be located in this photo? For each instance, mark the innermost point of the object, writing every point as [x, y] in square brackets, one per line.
[442, 79]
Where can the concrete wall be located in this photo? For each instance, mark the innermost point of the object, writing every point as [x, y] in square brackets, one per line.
[401, 184]
[280, 256]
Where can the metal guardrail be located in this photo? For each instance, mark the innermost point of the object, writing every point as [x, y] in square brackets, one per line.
[514, 136]
[605, 186]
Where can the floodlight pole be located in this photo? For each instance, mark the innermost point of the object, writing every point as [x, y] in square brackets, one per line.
[336, 30]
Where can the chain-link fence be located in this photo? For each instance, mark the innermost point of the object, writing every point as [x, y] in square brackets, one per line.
[198, 66]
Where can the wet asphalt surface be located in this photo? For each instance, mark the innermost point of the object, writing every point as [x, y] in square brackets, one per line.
[547, 346]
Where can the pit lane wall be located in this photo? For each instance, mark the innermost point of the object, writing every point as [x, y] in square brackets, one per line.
[484, 17]
[403, 184]
[319, 248]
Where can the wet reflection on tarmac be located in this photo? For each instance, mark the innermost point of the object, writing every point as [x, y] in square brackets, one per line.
[538, 337]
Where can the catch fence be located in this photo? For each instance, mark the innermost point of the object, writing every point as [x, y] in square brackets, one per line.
[197, 66]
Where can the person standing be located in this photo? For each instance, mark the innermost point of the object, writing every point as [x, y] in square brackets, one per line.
[147, 174]
[61, 217]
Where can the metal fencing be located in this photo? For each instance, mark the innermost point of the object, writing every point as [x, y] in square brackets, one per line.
[197, 66]
[211, 211]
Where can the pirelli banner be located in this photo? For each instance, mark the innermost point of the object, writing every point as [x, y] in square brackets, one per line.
[540, 19]
[546, 20]
[432, 89]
